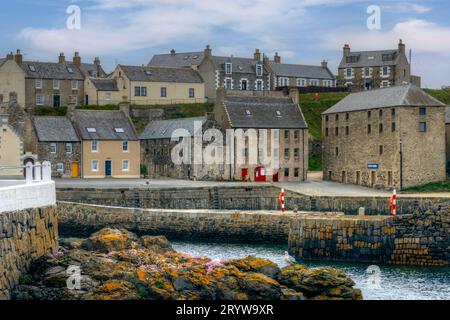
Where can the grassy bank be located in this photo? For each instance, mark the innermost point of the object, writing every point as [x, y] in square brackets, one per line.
[431, 187]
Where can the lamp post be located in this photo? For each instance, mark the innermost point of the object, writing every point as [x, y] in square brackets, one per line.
[401, 165]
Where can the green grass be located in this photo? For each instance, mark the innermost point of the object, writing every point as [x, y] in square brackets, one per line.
[442, 95]
[101, 108]
[50, 111]
[312, 109]
[315, 163]
[431, 187]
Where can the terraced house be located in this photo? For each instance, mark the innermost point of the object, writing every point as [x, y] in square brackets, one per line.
[232, 73]
[110, 146]
[11, 148]
[366, 70]
[46, 84]
[297, 75]
[385, 138]
[158, 85]
[447, 137]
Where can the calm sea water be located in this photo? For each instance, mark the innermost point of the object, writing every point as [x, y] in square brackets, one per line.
[395, 282]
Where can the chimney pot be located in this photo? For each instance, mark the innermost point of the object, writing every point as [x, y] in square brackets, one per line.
[257, 55]
[62, 58]
[77, 59]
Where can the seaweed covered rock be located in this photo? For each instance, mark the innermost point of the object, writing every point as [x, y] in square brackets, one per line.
[117, 265]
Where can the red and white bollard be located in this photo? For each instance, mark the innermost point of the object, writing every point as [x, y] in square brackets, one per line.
[393, 203]
[281, 199]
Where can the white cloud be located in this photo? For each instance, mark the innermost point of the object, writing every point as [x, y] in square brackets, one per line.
[406, 7]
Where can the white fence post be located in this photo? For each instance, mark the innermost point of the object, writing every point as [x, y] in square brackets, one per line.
[29, 173]
[46, 171]
[38, 172]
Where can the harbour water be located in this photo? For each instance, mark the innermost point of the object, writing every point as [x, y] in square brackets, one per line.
[390, 283]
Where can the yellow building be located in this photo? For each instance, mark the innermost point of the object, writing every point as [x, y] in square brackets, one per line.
[11, 148]
[100, 91]
[159, 85]
[110, 146]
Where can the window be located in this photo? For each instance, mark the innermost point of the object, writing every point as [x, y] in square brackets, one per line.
[259, 85]
[244, 84]
[94, 166]
[40, 99]
[69, 148]
[278, 113]
[369, 129]
[381, 113]
[94, 146]
[296, 152]
[191, 93]
[286, 172]
[283, 81]
[369, 114]
[348, 73]
[336, 131]
[422, 127]
[296, 134]
[108, 95]
[314, 82]
[327, 118]
[60, 167]
[32, 68]
[70, 70]
[38, 84]
[125, 165]
[367, 72]
[91, 130]
[337, 117]
[393, 126]
[125, 146]
[163, 92]
[140, 91]
[287, 153]
[328, 83]
[259, 70]
[74, 84]
[347, 130]
[301, 82]
[53, 148]
[248, 113]
[385, 71]
[422, 111]
[381, 150]
[228, 84]
[296, 173]
[56, 84]
[286, 134]
[381, 128]
[326, 132]
[393, 112]
[385, 84]
[228, 68]
[347, 116]
[119, 130]
[337, 151]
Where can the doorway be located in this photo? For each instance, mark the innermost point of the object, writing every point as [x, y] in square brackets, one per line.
[56, 101]
[373, 178]
[390, 182]
[344, 177]
[75, 170]
[108, 168]
[358, 177]
[244, 85]
[86, 100]
[244, 174]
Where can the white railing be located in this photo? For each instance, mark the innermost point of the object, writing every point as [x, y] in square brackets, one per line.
[37, 190]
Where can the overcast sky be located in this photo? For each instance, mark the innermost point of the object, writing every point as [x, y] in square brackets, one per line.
[303, 31]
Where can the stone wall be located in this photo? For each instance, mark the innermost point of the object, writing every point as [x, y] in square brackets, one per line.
[421, 238]
[241, 198]
[24, 236]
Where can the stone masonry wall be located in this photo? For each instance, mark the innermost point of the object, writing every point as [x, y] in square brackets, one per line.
[421, 238]
[24, 236]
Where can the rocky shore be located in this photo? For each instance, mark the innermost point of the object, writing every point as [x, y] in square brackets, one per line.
[118, 265]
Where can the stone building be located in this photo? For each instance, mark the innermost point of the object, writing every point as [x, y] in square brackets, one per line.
[11, 148]
[110, 146]
[447, 137]
[385, 138]
[57, 141]
[365, 70]
[157, 146]
[46, 84]
[297, 75]
[101, 91]
[158, 85]
[232, 73]
[281, 118]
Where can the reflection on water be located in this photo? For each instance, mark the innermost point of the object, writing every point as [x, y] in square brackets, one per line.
[396, 282]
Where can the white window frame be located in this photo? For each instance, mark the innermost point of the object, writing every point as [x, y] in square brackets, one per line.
[283, 81]
[347, 72]
[364, 75]
[385, 75]
[385, 84]
[53, 148]
[225, 83]
[97, 167]
[126, 168]
[60, 167]
[259, 70]
[74, 87]
[241, 82]
[125, 146]
[228, 68]
[94, 142]
[38, 84]
[314, 82]
[38, 102]
[262, 85]
[301, 82]
[56, 84]
[69, 148]
[191, 90]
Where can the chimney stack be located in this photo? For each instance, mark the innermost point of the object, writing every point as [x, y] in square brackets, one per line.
[346, 50]
[98, 66]
[208, 51]
[401, 47]
[62, 58]
[324, 64]
[265, 59]
[173, 52]
[257, 55]
[77, 59]
[277, 58]
[18, 57]
[10, 56]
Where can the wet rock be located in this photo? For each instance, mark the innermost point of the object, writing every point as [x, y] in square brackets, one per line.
[258, 265]
[159, 244]
[260, 287]
[108, 240]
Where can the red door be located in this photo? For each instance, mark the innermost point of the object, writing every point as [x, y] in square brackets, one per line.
[260, 176]
[275, 177]
[244, 173]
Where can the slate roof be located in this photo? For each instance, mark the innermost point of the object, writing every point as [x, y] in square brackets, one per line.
[55, 129]
[90, 70]
[263, 113]
[163, 129]
[447, 115]
[162, 74]
[301, 71]
[105, 123]
[50, 70]
[177, 60]
[239, 65]
[371, 59]
[405, 95]
[105, 84]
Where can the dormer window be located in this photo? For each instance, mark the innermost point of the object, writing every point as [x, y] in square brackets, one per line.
[32, 68]
[148, 73]
[119, 130]
[279, 114]
[91, 130]
[248, 113]
[228, 68]
[259, 70]
[70, 70]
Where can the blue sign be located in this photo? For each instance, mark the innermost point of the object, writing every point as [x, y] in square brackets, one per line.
[373, 166]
